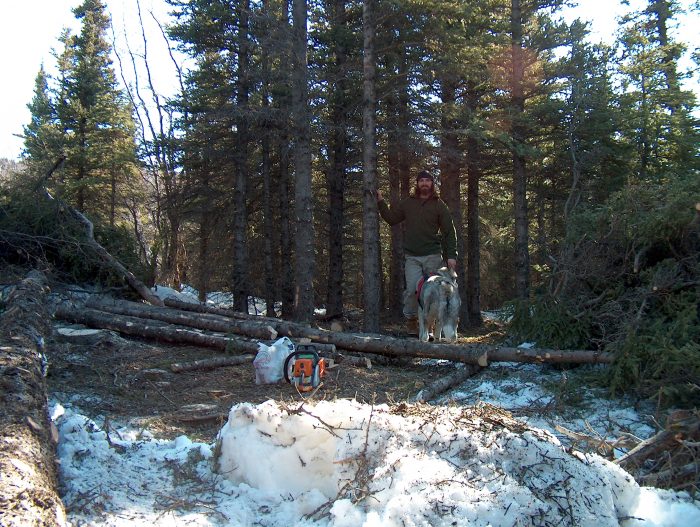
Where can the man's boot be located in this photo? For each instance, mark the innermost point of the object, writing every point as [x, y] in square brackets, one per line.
[412, 326]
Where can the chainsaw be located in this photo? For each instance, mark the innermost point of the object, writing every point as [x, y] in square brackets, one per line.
[304, 368]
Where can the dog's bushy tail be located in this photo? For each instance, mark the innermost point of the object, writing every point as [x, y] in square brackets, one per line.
[447, 292]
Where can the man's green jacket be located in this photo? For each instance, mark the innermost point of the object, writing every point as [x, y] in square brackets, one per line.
[429, 226]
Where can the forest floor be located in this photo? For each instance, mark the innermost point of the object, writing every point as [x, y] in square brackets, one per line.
[127, 379]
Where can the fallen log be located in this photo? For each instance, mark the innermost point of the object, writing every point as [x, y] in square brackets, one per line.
[668, 459]
[443, 384]
[29, 483]
[478, 353]
[681, 426]
[208, 322]
[154, 329]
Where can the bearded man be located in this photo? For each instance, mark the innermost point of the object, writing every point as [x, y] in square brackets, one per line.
[430, 239]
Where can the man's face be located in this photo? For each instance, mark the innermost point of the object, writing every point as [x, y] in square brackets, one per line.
[425, 186]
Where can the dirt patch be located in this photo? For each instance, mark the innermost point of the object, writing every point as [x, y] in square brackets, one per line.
[130, 380]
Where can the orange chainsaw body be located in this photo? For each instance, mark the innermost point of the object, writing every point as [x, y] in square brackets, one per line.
[304, 368]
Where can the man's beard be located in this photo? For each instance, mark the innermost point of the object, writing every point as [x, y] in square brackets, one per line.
[424, 192]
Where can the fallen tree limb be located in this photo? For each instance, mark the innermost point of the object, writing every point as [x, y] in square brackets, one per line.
[136, 284]
[28, 485]
[114, 264]
[671, 457]
[480, 354]
[435, 388]
[675, 433]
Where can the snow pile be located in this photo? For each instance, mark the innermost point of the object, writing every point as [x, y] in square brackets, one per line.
[164, 292]
[342, 464]
[124, 478]
[431, 464]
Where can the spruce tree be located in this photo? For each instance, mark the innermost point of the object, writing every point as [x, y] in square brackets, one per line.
[95, 121]
[659, 124]
[42, 136]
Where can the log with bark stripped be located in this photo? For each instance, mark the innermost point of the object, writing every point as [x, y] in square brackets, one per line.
[443, 384]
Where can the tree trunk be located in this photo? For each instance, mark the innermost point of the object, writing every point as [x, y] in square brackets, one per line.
[173, 253]
[398, 166]
[28, 486]
[286, 240]
[473, 230]
[203, 268]
[396, 268]
[240, 287]
[269, 245]
[522, 254]
[305, 253]
[250, 327]
[450, 179]
[370, 216]
[210, 364]
[338, 162]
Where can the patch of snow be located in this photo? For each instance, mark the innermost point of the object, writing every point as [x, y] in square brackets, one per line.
[163, 292]
[346, 464]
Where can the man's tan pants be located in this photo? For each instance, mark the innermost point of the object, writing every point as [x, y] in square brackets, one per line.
[417, 266]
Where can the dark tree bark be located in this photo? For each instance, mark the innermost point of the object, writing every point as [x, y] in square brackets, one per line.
[398, 166]
[304, 238]
[370, 216]
[473, 250]
[210, 364]
[240, 288]
[450, 164]
[203, 268]
[522, 254]
[338, 160]
[269, 245]
[396, 272]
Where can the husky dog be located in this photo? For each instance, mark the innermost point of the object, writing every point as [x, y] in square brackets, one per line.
[438, 305]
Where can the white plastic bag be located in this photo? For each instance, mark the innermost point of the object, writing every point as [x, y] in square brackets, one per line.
[269, 362]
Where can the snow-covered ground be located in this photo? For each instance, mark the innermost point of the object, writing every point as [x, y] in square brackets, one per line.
[462, 461]
[459, 462]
